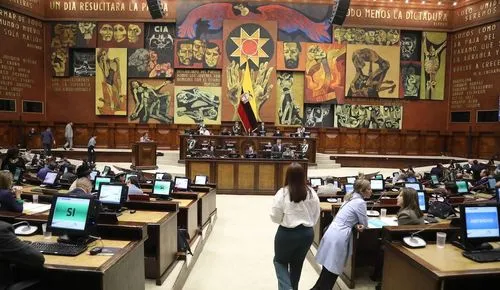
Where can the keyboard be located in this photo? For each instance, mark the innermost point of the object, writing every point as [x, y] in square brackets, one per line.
[431, 220]
[483, 256]
[59, 249]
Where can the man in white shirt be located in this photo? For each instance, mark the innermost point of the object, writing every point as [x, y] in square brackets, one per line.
[68, 134]
[328, 188]
[91, 149]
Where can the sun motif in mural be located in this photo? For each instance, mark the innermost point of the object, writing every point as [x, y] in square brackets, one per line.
[249, 47]
[250, 43]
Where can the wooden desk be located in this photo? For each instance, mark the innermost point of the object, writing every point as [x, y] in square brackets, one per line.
[325, 218]
[124, 270]
[188, 215]
[207, 204]
[242, 176]
[242, 142]
[432, 268]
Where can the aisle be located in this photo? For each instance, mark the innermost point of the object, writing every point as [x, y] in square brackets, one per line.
[239, 252]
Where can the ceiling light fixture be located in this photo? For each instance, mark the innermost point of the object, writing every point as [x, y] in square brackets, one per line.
[455, 3]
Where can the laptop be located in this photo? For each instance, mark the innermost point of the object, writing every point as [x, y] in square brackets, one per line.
[181, 183]
[434, 180]
[463, 187]
[200, 180]
[162, 189]
[316, 181]
[377, 184]
[50, 179]
[415, 185]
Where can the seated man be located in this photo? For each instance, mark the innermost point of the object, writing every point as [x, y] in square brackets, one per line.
[328, 187]
[277, 133]
[83, 171]
[15, 252]
[288, 153]
[69, 176]
[43, 172]
[438, 170]
[225, 132]
[133, 186]
[262, 129]
[250, 152]
[236, 129]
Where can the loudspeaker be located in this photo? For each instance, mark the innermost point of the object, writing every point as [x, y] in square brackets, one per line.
[339, 13]
[155, 9]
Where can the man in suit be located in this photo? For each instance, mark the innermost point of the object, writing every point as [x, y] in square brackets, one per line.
[47, 141]
[278, 147]
[68, 134]
[262, 129]
[15, 252]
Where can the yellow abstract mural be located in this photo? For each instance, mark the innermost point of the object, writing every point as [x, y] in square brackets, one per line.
[194, 105]
[111, 81]
[290, 99]
[434, 65]
[372, 71]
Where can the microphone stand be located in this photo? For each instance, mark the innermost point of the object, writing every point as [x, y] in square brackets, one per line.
[417, 242]
[374, 213]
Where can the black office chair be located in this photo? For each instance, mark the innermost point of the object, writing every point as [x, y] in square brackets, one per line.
[7, 273]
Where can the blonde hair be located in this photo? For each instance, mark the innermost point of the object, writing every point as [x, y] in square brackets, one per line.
[5, 179]
[84, 183]
[360, 185]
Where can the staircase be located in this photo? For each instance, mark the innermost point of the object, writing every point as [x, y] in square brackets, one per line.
[323, 162]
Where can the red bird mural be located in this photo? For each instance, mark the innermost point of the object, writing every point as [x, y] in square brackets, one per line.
[289, 20]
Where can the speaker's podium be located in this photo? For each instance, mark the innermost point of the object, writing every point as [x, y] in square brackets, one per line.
[144, 156]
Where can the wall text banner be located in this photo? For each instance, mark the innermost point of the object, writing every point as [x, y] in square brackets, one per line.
[105, 9]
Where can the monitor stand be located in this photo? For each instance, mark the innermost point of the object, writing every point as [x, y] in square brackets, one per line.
[168, 197]
[76, 240]
[472, 247]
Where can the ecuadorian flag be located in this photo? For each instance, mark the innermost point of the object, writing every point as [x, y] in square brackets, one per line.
[248, 105]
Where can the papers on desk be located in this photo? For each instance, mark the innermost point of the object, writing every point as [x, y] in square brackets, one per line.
[30, 208]
[379, 222]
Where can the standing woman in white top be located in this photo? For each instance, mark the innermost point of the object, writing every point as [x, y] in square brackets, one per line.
[296, 209]
[335, 245]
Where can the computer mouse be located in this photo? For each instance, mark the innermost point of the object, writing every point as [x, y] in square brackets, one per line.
[95, 251]
[133, 211]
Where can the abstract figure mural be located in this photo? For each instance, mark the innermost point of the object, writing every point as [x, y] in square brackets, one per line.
[198, 53]
[84, 63]
[250, 46]
[290, 99]
[410, 64]
[434, 58]
[373, 71]
[111, 83]
[152, 101]
[128, 35]
[205, 21]
[318, 115]
[369, 117]
[196, 105]
[325, 73]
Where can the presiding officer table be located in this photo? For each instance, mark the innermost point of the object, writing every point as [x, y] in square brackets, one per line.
[241, 142]
[242, 176]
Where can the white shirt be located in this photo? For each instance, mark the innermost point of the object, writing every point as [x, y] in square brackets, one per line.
[291, 214]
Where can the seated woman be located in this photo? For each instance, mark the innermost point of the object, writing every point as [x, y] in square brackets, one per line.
[410, 213]
[10, 197]
[133, 186]
[12, 160]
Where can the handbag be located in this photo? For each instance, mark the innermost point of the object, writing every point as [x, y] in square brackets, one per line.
[441, 209]
[183, 241]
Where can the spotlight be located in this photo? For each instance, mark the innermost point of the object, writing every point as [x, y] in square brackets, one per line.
[439, 3]
[423, 2]
[407, 1]
[455, 3]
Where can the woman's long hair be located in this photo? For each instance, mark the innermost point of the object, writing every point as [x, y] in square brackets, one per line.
[296, 182]
[360, 186]
[410, 201]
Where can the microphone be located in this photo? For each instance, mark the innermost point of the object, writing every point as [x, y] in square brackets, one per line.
[374, 213]
[414, 241]
[24, 228]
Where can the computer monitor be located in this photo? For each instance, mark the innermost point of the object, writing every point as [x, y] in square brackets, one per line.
[276, 155]
[112, 195]
[422, 201]
[480, 223]
[379, 176]
[498, 195]
[377, 184]
[70, 215]
[99, 179]
[316, 181]
[162, 188]
[181, 183]
[411, 179]
[158, 176]
[93, 174]
[434, 179]
[492, 182]
[349, 187]
[106, 171]
[351, 179]
[18, 175]
[462, 185]
[50, 178]
[415, 185]
[200, 179]
[129, 175]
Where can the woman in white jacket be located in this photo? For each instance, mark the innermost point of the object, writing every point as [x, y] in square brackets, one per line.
[335, 246]
[296, 210]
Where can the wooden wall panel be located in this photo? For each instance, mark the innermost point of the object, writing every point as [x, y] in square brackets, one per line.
[332, 141]
[102, 136]
[200, 169]
[351, 142]
[411, 143]
[372, 143]
[458, 144]
[122, 137]
[81, 136]
[166, 138]
[246, 176]
[489, 145]
[266, 177]
[391, 143]
[225, 176]
[432, 145]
